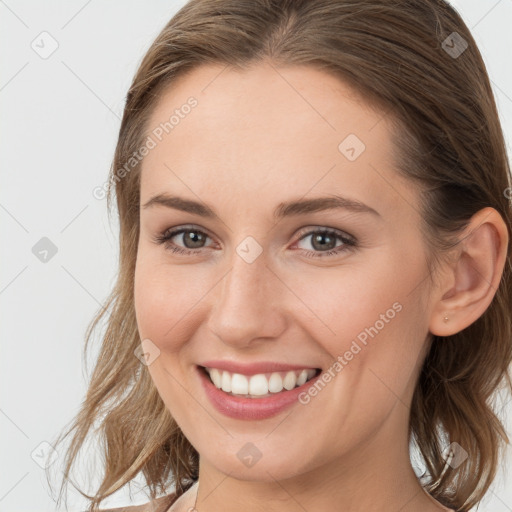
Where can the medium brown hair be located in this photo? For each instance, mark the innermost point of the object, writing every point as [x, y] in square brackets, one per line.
[448, 140]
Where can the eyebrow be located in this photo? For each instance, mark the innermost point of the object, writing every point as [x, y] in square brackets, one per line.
[288, 209]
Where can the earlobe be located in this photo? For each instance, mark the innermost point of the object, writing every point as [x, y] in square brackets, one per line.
[473, 276]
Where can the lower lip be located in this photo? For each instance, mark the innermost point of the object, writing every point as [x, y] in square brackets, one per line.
[243, 408]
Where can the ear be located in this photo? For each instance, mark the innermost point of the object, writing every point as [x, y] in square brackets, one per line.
[470, 282]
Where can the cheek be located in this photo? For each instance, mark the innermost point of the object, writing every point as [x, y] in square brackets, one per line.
[350, 298]
[162, 299]
[151, 302]
[375, 332]
[371, 316]
[165, 298]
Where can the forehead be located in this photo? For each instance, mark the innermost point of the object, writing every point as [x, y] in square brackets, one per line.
[296, 130]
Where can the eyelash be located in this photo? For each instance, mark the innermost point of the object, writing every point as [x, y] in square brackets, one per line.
[348, 241]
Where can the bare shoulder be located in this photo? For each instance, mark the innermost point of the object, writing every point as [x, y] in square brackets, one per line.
[158, 505]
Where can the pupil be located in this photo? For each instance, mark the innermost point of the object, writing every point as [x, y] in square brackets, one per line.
[327, 245]
[196, 239]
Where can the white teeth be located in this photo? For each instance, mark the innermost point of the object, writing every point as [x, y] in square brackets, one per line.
[258, 385]
[290, 380]
[226, 382]
[275, 383]
[216, 377]
[303, 377]
[239, 384]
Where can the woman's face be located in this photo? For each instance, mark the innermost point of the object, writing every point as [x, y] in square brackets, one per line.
[259, 280]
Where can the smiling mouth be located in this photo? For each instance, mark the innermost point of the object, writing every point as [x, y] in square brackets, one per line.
[259, 385]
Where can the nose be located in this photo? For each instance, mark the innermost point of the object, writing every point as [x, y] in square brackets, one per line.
[246, 304]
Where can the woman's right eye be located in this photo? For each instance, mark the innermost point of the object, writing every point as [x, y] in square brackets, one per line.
[189, 236]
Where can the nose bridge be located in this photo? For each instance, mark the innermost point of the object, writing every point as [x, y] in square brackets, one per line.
[246, 303]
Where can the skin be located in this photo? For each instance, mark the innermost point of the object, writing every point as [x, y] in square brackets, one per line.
[258, 138]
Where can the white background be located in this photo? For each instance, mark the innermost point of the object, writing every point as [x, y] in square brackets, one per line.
[60, 118]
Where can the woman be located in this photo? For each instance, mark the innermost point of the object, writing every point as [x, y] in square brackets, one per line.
[315, 268]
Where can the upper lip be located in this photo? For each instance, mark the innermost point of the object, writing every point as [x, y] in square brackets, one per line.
[254, 368]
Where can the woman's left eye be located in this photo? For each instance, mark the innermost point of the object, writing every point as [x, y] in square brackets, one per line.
[326, 239]
[322, 239]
